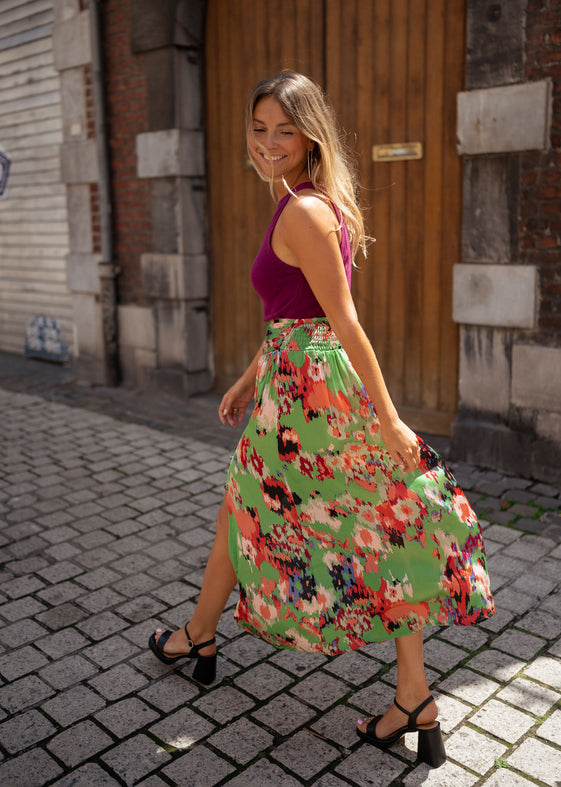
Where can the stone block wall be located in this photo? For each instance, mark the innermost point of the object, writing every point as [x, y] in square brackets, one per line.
[507, 288]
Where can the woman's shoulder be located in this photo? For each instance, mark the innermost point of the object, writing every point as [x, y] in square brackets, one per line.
[310, 206]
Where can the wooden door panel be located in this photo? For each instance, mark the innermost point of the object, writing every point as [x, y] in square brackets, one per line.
[392, 69]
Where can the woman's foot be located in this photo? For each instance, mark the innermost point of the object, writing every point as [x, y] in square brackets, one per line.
[393, 719]
[177, 643]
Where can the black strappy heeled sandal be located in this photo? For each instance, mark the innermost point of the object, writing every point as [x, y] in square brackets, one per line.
[205, 668]
[430, 746]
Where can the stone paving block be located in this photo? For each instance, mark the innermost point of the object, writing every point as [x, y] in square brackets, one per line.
[373, 699]
[174, 592]
[541, 623]
[18, 663]
[502, 721]
[133, 564]
[139, 609]
[442, 656]
[91, 541]
[297, 663]
[320, 690]
[101, 626]
[38, 767]
[538, 760]
[448, 775]
[499, 620]
[224, 704]
[25, 730]
[262, 681]
[507, 778]
[21, 586]
[60, 617]
[261, 773]
[353, 667]
[546, 670]
[60, 593]
[135, 584]
[305, 754]
[513, 601]
[97, 578]
[505, 535]
[62, 552]
[247, 650]
[283, 714]
[95, 557]
[469, 637]
[170, 692]
[182, 729]
[474, 750]
[64, 569]
[24, 692]
[89, 775]
[545, 489]
[118, 681]
[123, 718]
[530, 547]
[367, 762]
[529, 696]
[22, 608]
[110, 651]
[555, 648]
[450, 711]
[338, 725]
[518, 643]
[242, 741]
[469, 686]
[21, 633]
[128, 544]
[99, 600]
[136, 758]
[329, 780]
[538, 586]
[550, 730]
[199, 767]
[497, 665]
[70, 706]
[66, 671]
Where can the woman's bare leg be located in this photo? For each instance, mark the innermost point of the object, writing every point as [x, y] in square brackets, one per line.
[412, 687]
[218, 582]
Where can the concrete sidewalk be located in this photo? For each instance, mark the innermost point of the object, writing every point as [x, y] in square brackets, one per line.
[108, 501]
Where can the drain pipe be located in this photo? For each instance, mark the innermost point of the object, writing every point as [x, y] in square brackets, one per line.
[107, 271]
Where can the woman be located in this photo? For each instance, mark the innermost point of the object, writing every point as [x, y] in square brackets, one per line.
[340, 525]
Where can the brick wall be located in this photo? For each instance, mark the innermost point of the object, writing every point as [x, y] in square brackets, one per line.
[540, 195]
[126, 105]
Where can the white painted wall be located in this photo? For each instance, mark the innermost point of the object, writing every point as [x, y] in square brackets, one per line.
[33, 211]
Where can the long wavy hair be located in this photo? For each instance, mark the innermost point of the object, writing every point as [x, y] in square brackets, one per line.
[329, 165]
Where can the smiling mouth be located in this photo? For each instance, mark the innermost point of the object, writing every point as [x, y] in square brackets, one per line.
[272, 158]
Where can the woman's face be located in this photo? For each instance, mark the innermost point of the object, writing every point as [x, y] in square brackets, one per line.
[276, 145]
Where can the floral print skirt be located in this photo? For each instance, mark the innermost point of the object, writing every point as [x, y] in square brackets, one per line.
[334, 545]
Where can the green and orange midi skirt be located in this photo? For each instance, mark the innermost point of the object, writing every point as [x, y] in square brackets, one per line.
[333, 544]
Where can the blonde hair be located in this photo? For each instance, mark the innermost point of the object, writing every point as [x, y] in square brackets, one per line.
[329, 166]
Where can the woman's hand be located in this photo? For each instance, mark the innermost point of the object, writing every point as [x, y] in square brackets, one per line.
[402, 445]
[235, 401]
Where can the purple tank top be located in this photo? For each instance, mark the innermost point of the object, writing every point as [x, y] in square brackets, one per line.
[283, 288]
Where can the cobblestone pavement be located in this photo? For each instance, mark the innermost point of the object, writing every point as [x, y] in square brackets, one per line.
[106, 527]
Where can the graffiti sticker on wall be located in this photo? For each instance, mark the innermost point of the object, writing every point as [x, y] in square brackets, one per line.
[43, 339]
[4, 171]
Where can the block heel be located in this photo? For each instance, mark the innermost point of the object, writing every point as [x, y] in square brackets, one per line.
[205, 669]
[430, 747]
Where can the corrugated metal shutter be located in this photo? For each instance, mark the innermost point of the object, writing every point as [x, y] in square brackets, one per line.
[33, 213]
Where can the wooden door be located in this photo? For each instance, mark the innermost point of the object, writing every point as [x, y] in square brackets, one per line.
[392, 69]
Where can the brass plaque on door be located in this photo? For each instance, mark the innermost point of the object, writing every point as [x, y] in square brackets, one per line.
[397, 151]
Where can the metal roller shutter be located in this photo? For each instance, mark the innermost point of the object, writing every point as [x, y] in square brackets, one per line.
[34, 299]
